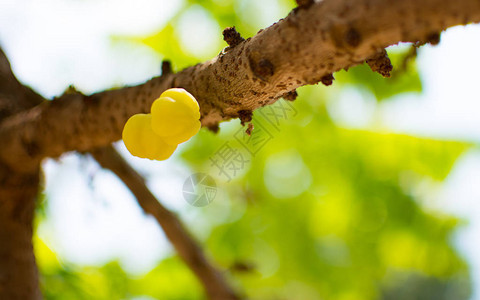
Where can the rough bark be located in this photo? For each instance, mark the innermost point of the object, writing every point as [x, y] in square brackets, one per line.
[18, 271]
[312, 42]
[187, 248]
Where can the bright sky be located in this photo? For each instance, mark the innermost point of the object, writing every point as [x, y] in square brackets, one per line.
[54, 43]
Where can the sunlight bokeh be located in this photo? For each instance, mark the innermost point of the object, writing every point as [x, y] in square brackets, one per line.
[368, 189]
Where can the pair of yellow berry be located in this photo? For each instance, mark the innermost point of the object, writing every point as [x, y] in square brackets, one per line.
[174, 119]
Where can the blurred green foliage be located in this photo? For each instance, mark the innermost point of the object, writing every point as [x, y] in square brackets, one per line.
[404, 77]
[318, 212]
[330, 213]
[64, 281]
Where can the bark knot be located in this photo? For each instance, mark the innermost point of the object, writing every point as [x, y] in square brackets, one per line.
[261, 68]
[433, 38]
[215, 128]
[353, 38]
[327, 79]
[232, 37]
[290, 96]
[380, 63]
[166, 67]
[249, 129]
[245, 116]
[304, 3]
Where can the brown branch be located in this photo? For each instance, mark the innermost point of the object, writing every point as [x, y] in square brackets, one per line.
[14, 97]
[18, 271]
[304, 3]
[307, 45]
[187, 248]
[380, 63]
[232, 37]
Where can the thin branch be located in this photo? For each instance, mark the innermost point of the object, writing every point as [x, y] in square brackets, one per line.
[187, 248]
[309, 44]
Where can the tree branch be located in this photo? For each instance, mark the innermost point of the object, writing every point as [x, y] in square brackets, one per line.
[14, 97]
[310, 43]
[189, 251]
[18, 271]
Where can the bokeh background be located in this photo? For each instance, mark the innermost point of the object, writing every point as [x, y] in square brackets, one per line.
[367, 189]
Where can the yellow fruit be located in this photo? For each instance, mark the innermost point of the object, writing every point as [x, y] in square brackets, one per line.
[181, 95]
[174, 119]
[175, 116]
[142, 141]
